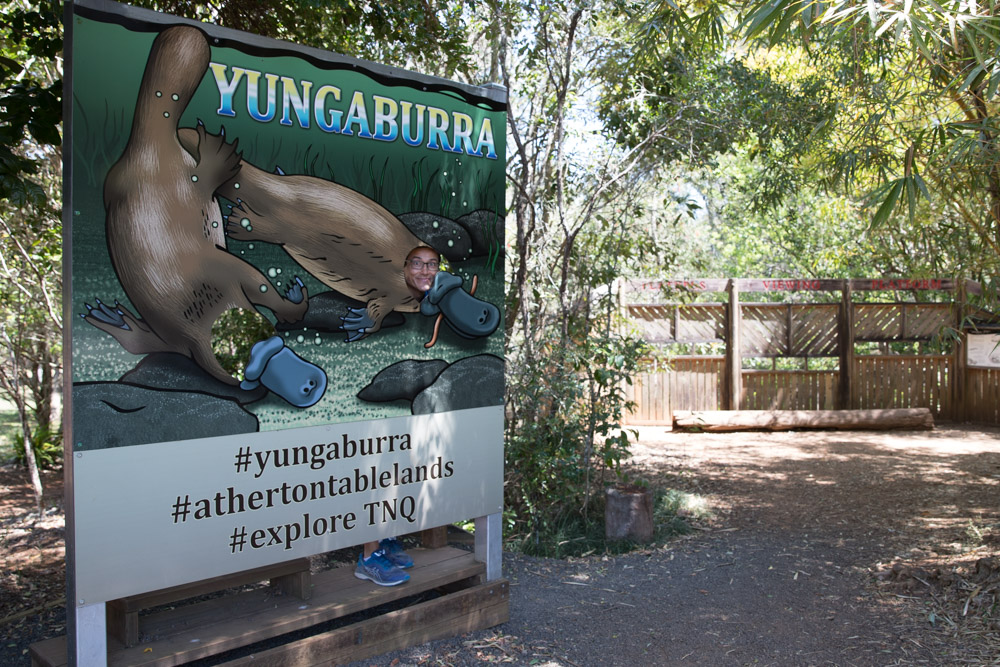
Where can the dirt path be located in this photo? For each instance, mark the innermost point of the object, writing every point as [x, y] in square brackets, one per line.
[827, 548]
[796, 569]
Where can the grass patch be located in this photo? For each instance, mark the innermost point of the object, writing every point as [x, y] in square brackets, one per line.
[574, 535]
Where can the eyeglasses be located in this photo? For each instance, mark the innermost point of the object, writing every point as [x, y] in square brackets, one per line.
[420, 266]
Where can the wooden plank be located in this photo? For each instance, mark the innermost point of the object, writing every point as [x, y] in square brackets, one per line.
[290, 577]
[734, 362]
[198, 631]
[434, 538]
[466, 611]
[205, 586]
[49, 653]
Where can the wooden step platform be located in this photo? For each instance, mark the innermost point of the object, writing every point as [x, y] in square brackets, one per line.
[181, 635]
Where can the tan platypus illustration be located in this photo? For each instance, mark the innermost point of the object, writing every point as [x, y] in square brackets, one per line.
[347, 241]
[165, 231]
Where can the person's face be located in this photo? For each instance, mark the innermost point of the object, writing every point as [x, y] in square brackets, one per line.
[420, 269]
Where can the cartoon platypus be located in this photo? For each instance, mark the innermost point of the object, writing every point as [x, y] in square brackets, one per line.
[165, 231]
[347, 241]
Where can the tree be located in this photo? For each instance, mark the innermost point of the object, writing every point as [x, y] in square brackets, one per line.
[576, 222]
[920, 119]
[30, 228]
[30, 98]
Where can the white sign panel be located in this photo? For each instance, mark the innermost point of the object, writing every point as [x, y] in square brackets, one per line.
[202, 508]
[984, 351]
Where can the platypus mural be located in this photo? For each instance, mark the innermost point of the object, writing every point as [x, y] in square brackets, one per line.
[166, 233]
[344, 239]
[164, 227]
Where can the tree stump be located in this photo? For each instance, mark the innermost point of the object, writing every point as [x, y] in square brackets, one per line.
[628, 514]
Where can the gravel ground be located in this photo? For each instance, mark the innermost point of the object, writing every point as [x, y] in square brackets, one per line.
[825, 548]
[795, 569]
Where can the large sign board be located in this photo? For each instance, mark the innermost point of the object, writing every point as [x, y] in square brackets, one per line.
[285, 274]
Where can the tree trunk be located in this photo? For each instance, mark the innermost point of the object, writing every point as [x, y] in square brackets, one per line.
[786, 420]
[629, 514]
[29, 457]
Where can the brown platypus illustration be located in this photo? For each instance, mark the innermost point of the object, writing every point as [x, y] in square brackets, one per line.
[165, 230]
[344, 239]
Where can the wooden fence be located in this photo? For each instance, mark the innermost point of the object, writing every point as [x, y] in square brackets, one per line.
[982, 396]
[883, 381]
[695, 383]
[942, 383]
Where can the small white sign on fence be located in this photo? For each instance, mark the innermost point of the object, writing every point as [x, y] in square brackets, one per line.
[984, 351]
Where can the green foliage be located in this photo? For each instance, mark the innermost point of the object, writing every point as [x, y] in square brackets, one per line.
[564, 440]
[696, 106]
[47, 445]
[918, 119]
[429, 35]
[30, 95]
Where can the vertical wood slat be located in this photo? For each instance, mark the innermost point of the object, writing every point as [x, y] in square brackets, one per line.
[982, 395]
[879, 382]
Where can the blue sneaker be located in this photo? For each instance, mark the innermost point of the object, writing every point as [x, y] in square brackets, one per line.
[394, 552]
[379, 569]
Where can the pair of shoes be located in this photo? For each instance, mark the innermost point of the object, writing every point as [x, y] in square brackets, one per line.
[395, 553]
[379, 569]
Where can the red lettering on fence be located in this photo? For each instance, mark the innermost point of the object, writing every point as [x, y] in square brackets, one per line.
[792, 284]
[906, 283]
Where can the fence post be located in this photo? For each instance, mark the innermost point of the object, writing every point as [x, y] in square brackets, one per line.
[959, 376]
[734, 360]
[845, 341]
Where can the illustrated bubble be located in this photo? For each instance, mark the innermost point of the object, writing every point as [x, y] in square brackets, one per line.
[263, 288]
[250, 246]
[175, 97]
[166, 114]
[215, 223]
[318, 340]
[159, 94]
[236, 186]
[300, 338]
[194, 178]
[450, 243]
[435, 224]
[245, 222]
[272, 272]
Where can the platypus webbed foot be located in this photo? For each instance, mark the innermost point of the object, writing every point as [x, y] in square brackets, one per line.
[356, 323]
[132, 333]
[111, 317]
[296, 292]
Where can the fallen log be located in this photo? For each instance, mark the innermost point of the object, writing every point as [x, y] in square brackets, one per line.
[786, 420]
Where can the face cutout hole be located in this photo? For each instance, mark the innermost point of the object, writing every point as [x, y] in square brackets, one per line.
[234, 334]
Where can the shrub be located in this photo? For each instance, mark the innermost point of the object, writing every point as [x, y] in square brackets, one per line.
[47, 445]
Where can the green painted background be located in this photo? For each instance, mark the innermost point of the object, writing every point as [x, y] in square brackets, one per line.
[108, 62]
